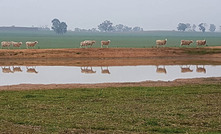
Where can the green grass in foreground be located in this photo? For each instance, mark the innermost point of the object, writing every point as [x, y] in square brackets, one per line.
[183, 109]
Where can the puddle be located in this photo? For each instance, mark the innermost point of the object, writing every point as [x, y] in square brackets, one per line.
[13, 75]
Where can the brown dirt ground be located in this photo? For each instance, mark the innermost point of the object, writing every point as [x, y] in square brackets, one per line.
[111, 57]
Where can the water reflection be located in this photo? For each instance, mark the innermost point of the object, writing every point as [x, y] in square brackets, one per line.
[14, 69]
[161, 69]
[185, 69]
[200, 69]
[12, 75]
[87, 70]
[31, 69]
[105, 70]
[6, 70]
[17, 69]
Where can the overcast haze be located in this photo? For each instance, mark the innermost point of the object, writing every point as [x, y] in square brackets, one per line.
[148, 14]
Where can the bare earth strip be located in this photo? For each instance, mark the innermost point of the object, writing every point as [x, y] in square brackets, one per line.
[111, 57]
[105, 53]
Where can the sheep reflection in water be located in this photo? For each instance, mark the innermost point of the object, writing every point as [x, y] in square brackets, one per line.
[200, 69]
[7, 69]
[105, 70]
[31, 69]
[185, 69]
[87, 70]
[161, 69]
[17, 69]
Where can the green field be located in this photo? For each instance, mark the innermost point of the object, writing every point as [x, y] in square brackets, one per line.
[182, 109]
[48, 39]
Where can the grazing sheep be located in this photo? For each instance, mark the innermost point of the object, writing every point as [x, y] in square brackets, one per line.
[201, 42]
[105, 43]
[16, 44]
[185, 42]
[83, 44]
[87, 43]
[31, 44]
[90, 42]
[6, 44]
[161, 42]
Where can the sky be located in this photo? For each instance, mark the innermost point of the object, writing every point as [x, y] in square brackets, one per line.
[87, 14]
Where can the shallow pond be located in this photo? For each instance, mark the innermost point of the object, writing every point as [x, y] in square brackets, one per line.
[13, 75]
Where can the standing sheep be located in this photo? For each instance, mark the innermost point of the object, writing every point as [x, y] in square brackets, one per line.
[106, 43]
[161, 42]
[6, 44]
[185, 42]
[31, 44]
[16, 44]
[200, 42]
[87, 43]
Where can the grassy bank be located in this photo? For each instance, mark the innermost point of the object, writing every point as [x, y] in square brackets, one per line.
[183, 109]
[48, 39]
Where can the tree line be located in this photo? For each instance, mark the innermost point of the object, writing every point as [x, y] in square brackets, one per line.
[202, 27]
[106, 26]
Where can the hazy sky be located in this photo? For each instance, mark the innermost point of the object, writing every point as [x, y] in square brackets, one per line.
[148, 14]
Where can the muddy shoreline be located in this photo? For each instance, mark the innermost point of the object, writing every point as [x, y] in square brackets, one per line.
[80, 53]
[110, 57]
[110, 61]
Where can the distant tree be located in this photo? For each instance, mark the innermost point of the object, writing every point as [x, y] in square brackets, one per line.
[44, 28]
[59, 27]
[106, 26]
[212, 28]
[119, 28]
[122, 28]
[202, 27]
[86, 30]
[127, 29]
[80, 30]
[77, 30]
[137, 29]
[188, 27]
[93, 30]
[55, 25]
[63, 27]
[194, 28]
[181, 27]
